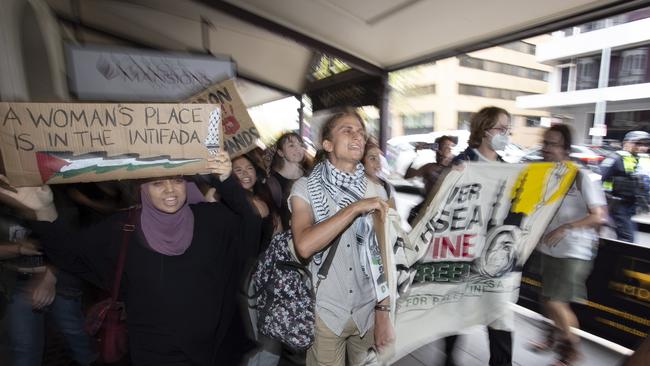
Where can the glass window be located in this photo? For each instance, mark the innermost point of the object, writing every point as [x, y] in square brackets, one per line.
[611, 21]
[588, 69]
[502, 68]
[619, 123]
[489, 92]
[564, 81]
[520, 46]
[464, 119]
[420, 90]
[533, 121]
[417, 123]
[629, 66]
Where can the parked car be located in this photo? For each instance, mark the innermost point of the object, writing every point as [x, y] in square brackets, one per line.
[401, 152]
[605, 150]
[579, 154]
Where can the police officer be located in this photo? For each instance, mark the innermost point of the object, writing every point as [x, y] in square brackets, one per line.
[623, 184]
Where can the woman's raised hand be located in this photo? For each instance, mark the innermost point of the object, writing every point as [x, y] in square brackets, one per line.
[34, 198]
[371, 204]
[38, 199]
[220, 164]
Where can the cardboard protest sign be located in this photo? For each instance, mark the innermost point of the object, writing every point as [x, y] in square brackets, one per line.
[459, 266]
[241, 136]
[72, 142]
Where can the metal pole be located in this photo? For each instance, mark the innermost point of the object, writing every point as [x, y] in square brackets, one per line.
[384, 113]
[301, 115]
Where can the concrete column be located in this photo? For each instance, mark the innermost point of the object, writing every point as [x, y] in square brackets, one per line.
[13, 86]
[601, 106]
[32, 64]
[603, 82]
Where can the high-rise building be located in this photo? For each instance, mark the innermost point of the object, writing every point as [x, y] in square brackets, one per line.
[600, 81]
[443, 95]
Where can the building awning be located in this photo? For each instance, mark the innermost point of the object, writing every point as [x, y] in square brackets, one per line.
[274, 43]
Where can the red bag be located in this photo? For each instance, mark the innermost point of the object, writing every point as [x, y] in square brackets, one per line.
[106, 320]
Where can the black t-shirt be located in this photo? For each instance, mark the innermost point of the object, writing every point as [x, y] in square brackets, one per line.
[267, 232]
[285, 184]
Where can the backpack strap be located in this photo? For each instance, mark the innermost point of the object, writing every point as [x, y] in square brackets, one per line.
[387, 188]
[327, 263]
[127, 228]
[276, 190]
[372, 189]
[325, 268]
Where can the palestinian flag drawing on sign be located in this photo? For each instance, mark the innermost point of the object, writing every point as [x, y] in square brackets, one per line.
[66, 164]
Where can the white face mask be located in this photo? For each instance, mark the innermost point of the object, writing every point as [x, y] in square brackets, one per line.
[499, 141]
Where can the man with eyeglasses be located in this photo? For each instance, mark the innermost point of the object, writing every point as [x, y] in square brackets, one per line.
[489, 132]
[623, 183]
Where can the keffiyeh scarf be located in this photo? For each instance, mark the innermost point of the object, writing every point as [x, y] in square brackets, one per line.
[327, 182]
[343, 188]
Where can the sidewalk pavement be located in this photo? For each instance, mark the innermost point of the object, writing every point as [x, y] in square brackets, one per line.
[472, 348]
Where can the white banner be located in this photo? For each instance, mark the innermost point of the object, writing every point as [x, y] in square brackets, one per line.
[459, 266]
[108, 73]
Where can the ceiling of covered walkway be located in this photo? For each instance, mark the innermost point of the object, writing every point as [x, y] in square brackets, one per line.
[276, 42]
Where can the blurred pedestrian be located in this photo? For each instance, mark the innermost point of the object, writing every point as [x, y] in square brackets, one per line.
[431, 171]
[39, 292]
[568, 248]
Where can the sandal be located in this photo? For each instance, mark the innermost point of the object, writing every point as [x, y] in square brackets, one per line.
[567, 349]
[547, 343]
[540, 346]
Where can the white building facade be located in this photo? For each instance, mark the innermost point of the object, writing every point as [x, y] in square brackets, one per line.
[600, 83]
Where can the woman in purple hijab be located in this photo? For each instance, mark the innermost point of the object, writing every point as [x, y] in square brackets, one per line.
[167, 221]
[182, 268]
